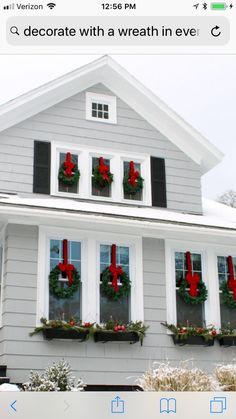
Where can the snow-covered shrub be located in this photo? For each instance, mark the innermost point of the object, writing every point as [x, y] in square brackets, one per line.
[55, 378]
[163, 377]
[226, 376]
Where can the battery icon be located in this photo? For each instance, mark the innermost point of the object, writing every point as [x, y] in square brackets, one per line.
[218, 6]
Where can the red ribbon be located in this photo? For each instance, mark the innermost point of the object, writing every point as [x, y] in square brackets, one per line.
[232, 280]
[133, 174]
[68, 165]
[103, 169]
[192, 279]
[65, 266]
[115, 270]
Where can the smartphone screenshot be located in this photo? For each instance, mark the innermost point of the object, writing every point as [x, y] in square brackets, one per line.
[117, 209]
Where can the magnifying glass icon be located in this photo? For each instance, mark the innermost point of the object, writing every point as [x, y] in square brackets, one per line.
[14, 30]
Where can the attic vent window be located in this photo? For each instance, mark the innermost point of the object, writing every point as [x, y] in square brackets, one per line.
[101, 108]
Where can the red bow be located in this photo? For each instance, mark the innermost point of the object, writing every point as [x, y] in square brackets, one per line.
[103, 169]
[232, 280]
[133, 174]
[116, 271]
[192, 279]
[68, 165]
[65, 266]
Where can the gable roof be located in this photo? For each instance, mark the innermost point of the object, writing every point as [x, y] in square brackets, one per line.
[107, 71]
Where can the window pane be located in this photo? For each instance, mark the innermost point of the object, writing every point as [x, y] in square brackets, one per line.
[194, 314]
[60, 308]
[138, 195]
[118, 310]
[105, 254]
[227, 315]
[67, 188]
[55, 249]
[65, 309]
[96, 189]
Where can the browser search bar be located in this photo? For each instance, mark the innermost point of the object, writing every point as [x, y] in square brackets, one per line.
[122, 30]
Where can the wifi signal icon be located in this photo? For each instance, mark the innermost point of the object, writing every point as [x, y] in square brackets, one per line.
[51, 5]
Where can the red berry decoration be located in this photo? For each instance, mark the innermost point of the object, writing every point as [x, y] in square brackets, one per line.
[123, 328]
[116, 328]
[72, 323]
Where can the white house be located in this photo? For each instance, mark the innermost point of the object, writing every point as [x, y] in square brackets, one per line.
[102, 119]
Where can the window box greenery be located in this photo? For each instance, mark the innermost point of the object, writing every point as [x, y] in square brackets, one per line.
[59, 329]
[114, 331]
[192, 335]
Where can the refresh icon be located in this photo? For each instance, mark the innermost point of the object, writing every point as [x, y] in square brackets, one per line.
[215, 31]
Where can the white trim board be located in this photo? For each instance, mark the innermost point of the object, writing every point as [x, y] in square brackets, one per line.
[107, 71]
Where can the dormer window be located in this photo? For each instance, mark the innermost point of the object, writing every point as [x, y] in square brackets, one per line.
[101, 108]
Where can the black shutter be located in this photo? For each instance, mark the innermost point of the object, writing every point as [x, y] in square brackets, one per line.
[42, 167]
[158, 176]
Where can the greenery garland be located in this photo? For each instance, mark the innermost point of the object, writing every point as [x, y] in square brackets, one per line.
[227, 295]
[108, 289]
[63, 292]
[69, 180]
[130, 189]
[99, 178]
[202, 293]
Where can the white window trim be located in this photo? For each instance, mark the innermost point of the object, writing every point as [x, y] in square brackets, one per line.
[85, 154]
[2, 244]
[104, 99]
[89, 270]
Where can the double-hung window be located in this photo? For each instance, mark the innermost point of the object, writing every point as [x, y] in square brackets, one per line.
[227, 314]
[62, 308]
[63, 187]
[188, 313]
[117, 310]
[97, 190]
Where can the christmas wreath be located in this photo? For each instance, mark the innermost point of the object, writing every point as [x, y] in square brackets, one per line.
[110, 277]
[228, 288]
[67, 270]
[192, 289]
[69, 173]
[132, 182]
[102, 175]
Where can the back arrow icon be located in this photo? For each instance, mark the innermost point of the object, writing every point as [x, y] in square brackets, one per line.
[215, 31]
[12, 405]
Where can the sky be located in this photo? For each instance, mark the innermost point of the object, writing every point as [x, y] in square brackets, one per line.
[201, 89]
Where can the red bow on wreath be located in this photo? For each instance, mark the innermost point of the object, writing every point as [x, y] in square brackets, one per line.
[66, 267]
[68, 165]
[116, 271]
[103, 169]
[133, 174]
[192, 279]
[232, 280]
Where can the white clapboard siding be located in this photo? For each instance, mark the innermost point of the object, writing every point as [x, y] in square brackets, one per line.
[65, 122]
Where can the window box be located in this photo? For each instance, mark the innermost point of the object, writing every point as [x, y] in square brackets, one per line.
[51, 333]
[227, 341]
[193, 340]
[110, 336]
